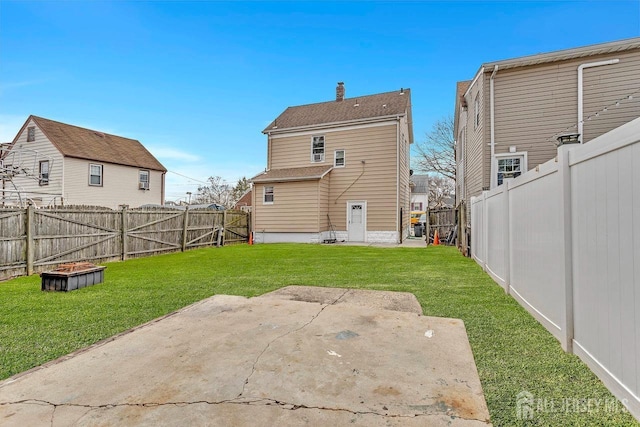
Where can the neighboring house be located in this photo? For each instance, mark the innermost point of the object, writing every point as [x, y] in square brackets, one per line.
[419, 192]
[70, 165]
[341, 164]
[509, 117]
[244, 203]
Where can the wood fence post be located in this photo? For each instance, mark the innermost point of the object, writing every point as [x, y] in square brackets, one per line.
[221, 230]
[30, 248]
[185, 225]
[124, 233]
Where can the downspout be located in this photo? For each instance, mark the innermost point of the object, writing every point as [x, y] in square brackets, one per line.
[398, 179]
[492, 108]
[581, 94]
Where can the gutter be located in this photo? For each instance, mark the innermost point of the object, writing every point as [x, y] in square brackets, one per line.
[475, 79]
[331, 125]
[492, 113]
[581, 93]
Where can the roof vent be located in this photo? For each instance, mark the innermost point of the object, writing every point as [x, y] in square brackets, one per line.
[384, 105]
[100, 134]
[357, 104]
[401, 91]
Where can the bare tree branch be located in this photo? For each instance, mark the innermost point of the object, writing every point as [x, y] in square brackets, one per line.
[436, 154]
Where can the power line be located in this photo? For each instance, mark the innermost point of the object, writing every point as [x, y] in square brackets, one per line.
[184, 176]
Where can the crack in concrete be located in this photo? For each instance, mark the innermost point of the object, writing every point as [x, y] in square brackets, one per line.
[253, 368]
[236, 401]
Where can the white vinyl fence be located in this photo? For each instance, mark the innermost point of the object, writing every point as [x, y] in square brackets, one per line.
[564, 241]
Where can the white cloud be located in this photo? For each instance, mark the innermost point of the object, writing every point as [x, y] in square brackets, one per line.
[172, 153]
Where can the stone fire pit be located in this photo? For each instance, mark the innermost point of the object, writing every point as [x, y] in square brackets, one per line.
[68, 277]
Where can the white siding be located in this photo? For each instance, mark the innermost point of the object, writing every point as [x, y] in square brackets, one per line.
[119, 185]
[29, 187]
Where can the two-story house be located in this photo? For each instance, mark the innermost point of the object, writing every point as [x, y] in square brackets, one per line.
[338, 166]
[509, 116]
[63, 164]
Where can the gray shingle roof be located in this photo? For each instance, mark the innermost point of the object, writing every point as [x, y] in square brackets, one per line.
[349, 110]
[74, 141]
[421, 184]
[292, 174]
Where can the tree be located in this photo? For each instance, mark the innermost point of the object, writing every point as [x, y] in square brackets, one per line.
[218, 191]
[240, 188]
[436, 155]
[440, 190]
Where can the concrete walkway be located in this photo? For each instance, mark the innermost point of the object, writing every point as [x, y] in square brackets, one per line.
[298, 356]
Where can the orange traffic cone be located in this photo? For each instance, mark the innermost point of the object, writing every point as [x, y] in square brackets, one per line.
[436, 239]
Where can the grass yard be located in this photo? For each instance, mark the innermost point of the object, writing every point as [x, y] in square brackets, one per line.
[513, 352]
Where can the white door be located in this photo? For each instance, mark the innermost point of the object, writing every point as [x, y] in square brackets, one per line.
[357, 221]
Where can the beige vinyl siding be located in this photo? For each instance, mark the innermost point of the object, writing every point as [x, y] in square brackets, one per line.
[295, 208]
[374, 181]
[119, 185]
[405, 160]
[533, 104]
[29, 187]
[476, 138]
[323, 203]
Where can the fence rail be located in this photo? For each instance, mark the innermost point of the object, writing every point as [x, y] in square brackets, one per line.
[564, 241]
[33, 240]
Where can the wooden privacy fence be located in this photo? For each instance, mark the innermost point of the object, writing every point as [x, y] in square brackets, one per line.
[33, 240]
[443, 220]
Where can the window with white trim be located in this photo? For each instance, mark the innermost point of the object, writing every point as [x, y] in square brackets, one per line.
[95, 175]
[509, 167]
[317, 149]
[143, 180]
[267, 198]
[339, 158]
[44, 172]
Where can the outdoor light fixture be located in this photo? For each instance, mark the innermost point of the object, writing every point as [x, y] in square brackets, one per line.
[569, 138]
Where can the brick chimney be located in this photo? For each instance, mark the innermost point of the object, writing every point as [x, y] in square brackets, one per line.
[340, 91]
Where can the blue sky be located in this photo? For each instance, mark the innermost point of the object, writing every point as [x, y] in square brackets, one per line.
[197, 81]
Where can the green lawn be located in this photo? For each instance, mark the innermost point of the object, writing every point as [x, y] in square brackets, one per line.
[512, 351]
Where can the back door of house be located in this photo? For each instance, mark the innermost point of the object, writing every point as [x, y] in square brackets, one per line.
[357, 221]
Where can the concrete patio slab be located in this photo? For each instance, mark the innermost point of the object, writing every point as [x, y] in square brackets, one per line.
[268, 361]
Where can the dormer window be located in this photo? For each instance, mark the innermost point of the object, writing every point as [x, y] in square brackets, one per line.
[317, 149]
[31, 133]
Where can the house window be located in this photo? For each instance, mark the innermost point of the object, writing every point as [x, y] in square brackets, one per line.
[476, 111]
[95, 175]
[509, 167]
[143, 180]
[268, 196]
[31, 133]
[44, 172]
[338, 160]
[317, 149]
[416, 206]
